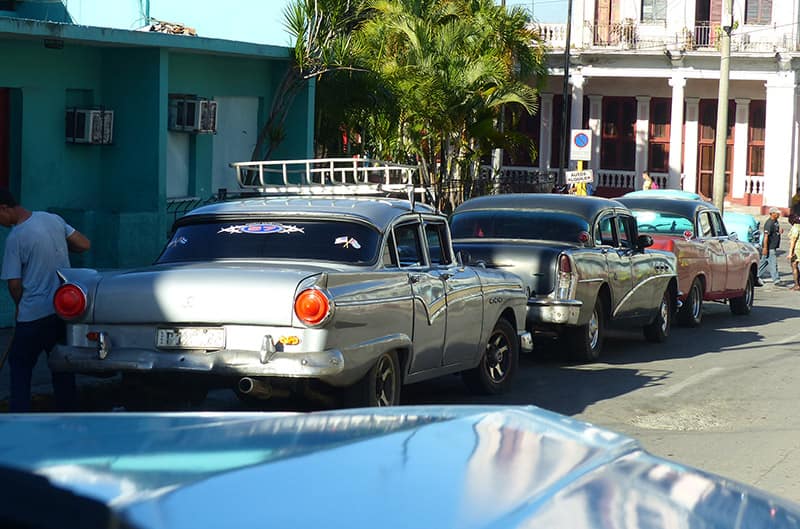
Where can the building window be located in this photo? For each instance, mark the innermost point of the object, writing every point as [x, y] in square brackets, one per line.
[654, 11]
[758, 12]
[618, 134]
[755, 138]
[660, 116]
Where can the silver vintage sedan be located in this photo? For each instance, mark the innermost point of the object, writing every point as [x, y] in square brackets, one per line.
[285, 294]
[583, 262]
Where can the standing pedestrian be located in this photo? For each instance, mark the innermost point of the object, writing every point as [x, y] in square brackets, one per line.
[647, 181]
[795, 204]
[36, 248]
[771, 240]
[794, 247]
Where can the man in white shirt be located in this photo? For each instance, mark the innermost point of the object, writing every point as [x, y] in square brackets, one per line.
[38, 245]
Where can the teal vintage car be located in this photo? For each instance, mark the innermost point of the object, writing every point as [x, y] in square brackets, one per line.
[745, 226]
[432, 467]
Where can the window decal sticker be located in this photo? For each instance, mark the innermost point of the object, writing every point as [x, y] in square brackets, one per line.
[347, 242]
[262, 228]
[175, 242]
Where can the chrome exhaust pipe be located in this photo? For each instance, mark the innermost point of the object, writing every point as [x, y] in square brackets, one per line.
[255, 387]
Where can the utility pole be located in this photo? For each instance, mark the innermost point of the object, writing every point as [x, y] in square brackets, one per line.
[721, 136]
[567, 101]
[497, 153]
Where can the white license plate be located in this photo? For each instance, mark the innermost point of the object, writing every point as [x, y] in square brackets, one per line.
[191, 338]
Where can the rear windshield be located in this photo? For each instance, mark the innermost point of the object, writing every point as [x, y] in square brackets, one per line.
[661, 223]
[344, 242]
[534, 225]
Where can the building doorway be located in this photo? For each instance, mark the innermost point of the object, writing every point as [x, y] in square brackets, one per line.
[706, 144]
[606, 23]
[707, 17]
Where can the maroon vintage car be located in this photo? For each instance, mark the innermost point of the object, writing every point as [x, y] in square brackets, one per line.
[712, 265]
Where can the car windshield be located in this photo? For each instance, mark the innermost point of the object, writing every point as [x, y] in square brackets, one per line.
[659, 222]
[323, 240]
[515, 224]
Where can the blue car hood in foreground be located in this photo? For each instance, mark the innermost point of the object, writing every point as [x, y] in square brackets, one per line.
[406, 467]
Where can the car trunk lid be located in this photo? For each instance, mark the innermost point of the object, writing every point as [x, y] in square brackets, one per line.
[245, 293]
[534, 262]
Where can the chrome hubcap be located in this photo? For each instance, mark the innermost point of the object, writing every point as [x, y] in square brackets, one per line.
[664, 309]
[748, 294]
[594, 330]
[385, 383]
[497, 357]
[696, 302]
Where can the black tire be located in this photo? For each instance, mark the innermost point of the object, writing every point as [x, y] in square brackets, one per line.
[743, 304]
[658, 330]
[498, 365]
[691, 314]
[586, 342]
[380, 386]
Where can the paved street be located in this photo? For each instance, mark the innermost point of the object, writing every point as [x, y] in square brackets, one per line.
[722, 397]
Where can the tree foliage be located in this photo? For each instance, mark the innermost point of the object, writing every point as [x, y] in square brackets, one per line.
[324, 41]
[420, 79]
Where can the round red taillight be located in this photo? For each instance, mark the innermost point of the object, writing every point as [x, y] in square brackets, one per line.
[69, 301]
[312, 306]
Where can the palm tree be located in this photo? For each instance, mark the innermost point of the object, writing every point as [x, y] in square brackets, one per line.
[323, 35]
[452, 65]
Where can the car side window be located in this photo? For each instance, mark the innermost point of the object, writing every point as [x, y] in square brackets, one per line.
[624, 232]
[389, 257]
[717, 225]
[604, 232]
[705, 225]
[409, 249]
[438, 247]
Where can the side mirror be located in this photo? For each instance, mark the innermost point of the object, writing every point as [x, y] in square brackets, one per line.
[463, 258]
[644, 241]
[733, 236]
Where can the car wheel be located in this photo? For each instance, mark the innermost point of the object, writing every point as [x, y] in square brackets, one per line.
[691, 314]
[744, 303]
[380, 386]
[658, 330]
[586, 341]
[498, 364]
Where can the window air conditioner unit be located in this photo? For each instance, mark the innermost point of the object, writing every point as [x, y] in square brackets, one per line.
[193, 115]
[89, 126]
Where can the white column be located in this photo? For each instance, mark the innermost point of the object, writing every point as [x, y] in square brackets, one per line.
[577, 81]
[595, 121]
[740, 136]
[690, 144]
[642, 136]
[676, 131]
[779, 139]
[578, 35]
[545, 131]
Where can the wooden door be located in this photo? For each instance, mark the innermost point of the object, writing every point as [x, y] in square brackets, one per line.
[706, 145]
[606, 22]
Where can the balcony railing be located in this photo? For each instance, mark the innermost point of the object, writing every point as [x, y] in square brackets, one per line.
[630, 35]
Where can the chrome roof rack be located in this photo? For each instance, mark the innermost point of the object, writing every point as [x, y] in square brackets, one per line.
[332, 177]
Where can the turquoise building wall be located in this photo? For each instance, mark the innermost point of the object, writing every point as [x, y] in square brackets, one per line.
[116, 194]
[259, 21]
